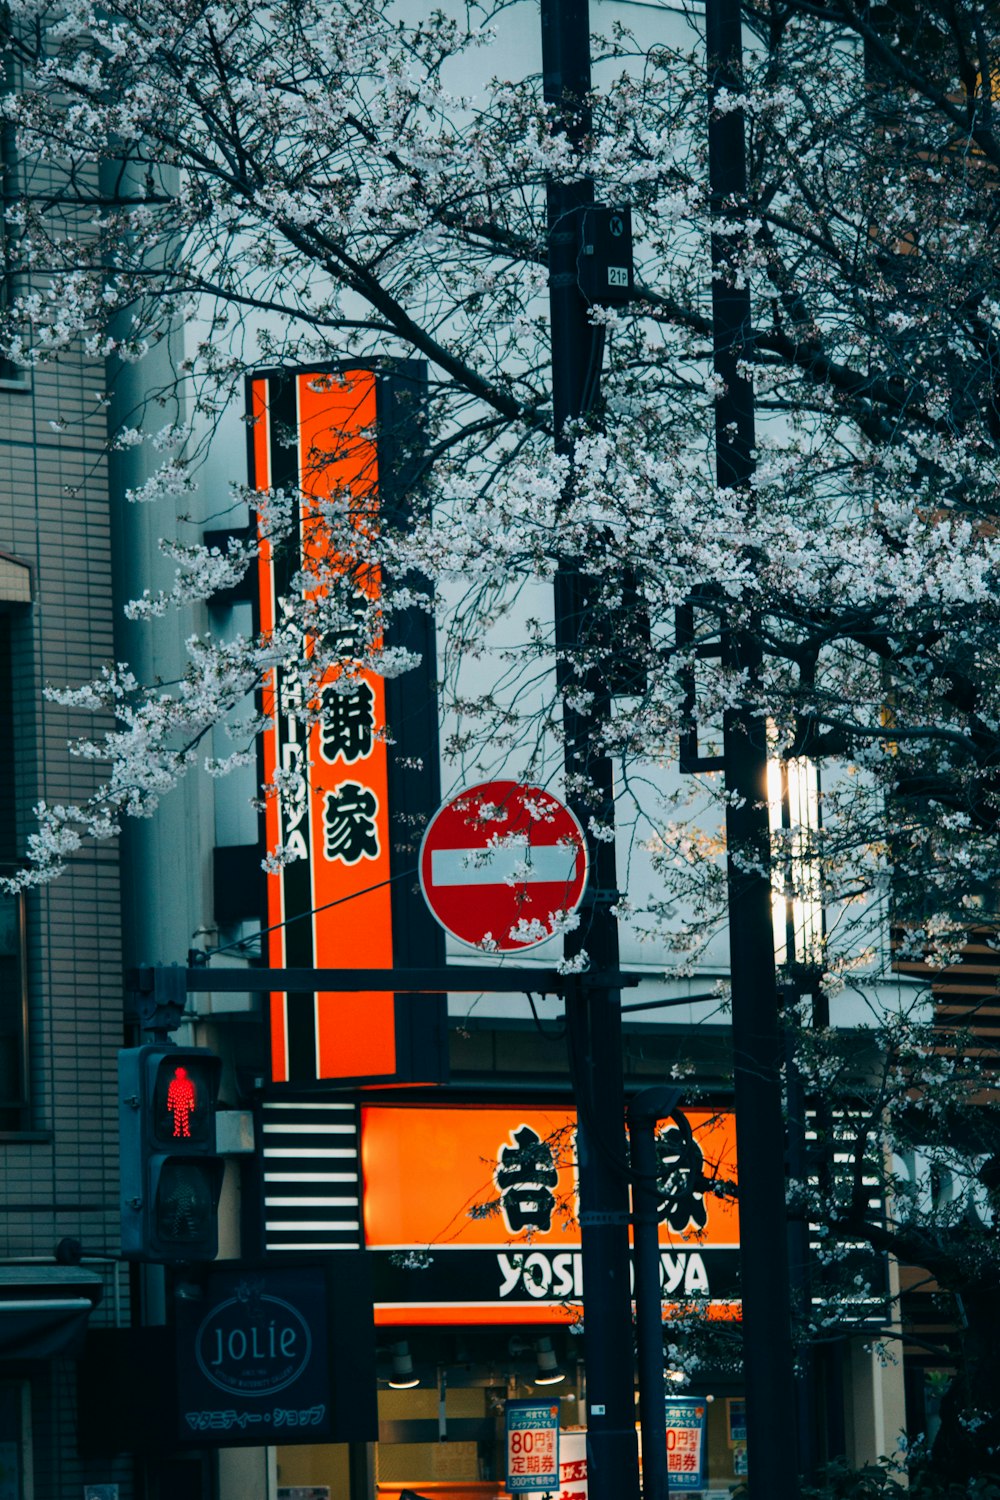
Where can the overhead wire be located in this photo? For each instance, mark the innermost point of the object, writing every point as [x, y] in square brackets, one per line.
[210, 953]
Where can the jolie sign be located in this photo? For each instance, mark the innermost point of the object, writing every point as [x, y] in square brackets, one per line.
[253, 1358]
[253, 1342]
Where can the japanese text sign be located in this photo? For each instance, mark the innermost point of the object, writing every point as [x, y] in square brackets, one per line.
[532, 1429]
[253, 1358]
[486, 1198]
[572, 1468]
[266, 1355]
[329, 808]
[337, 804]
[686, 1442]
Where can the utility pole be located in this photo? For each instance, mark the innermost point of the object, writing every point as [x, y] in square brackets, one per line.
[757, 1047]
[644, 1111]
[593, 1015]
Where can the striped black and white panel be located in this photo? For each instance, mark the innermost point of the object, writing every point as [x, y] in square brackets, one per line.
[311, 1171]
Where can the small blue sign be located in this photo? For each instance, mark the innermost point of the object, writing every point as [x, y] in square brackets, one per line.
[686, 1421]
[532, 1446]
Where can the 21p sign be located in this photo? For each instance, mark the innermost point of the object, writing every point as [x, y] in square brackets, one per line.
[532, 1446]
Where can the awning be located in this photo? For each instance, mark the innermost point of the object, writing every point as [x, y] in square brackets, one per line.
[44, 1310]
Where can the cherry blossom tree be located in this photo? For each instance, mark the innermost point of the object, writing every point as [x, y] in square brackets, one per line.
[323, 179]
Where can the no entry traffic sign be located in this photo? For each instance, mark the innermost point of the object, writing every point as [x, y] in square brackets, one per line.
[502, 865]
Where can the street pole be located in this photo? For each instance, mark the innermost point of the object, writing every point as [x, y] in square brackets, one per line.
[644, 1111]
[593, 1015]
[764, 1276]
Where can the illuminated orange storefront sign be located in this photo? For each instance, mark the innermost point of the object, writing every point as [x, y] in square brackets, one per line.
[330, 905]
[472, 1213]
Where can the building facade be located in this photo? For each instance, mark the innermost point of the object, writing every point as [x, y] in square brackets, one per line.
[61, 945]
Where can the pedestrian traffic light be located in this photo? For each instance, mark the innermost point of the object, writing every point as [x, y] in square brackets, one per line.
[171, 1177]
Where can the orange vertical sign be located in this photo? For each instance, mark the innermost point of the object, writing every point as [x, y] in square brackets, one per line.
[329, 906]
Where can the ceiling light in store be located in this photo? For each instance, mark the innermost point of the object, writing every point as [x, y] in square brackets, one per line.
[548, 1372]
[403, 1377]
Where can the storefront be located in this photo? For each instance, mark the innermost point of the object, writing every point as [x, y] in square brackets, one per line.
[445, 1437]
[470, 1214]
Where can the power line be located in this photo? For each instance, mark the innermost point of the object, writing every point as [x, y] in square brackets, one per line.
[200, 958]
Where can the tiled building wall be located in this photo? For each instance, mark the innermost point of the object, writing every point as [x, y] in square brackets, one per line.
[54, 516]
[59, 1173]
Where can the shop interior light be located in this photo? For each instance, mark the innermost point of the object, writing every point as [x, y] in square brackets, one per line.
[403, 1377]
[548, 1372]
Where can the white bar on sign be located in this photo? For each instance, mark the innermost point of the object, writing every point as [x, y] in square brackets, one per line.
[553, 864]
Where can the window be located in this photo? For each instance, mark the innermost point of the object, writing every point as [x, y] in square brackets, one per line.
[797, 900]
[13, 1012]
[11, 375]
[13, 969]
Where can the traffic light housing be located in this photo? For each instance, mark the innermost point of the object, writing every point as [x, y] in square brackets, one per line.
[171, 1176]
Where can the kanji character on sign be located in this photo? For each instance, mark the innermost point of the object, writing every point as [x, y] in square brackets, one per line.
[347, 723]
[349, 636]
[351, 832]
[526, 1175]
[680, 1183]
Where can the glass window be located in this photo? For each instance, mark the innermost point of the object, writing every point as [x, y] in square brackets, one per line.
[13, 1019]
[10, 373]
[13, 987]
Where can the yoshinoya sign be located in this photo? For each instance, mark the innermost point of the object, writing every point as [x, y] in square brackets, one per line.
[353, 773]
[471, 1214]
[256, 1361]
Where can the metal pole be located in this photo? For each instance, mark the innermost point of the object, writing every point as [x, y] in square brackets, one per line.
[799, 1257]
[643, 1112]
[767, 1345]
[593, 1015]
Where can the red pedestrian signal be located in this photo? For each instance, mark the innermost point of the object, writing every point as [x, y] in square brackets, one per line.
[171, 1176]
[182, 1100]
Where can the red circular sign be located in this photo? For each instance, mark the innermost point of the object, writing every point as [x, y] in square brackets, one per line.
[502, 865]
